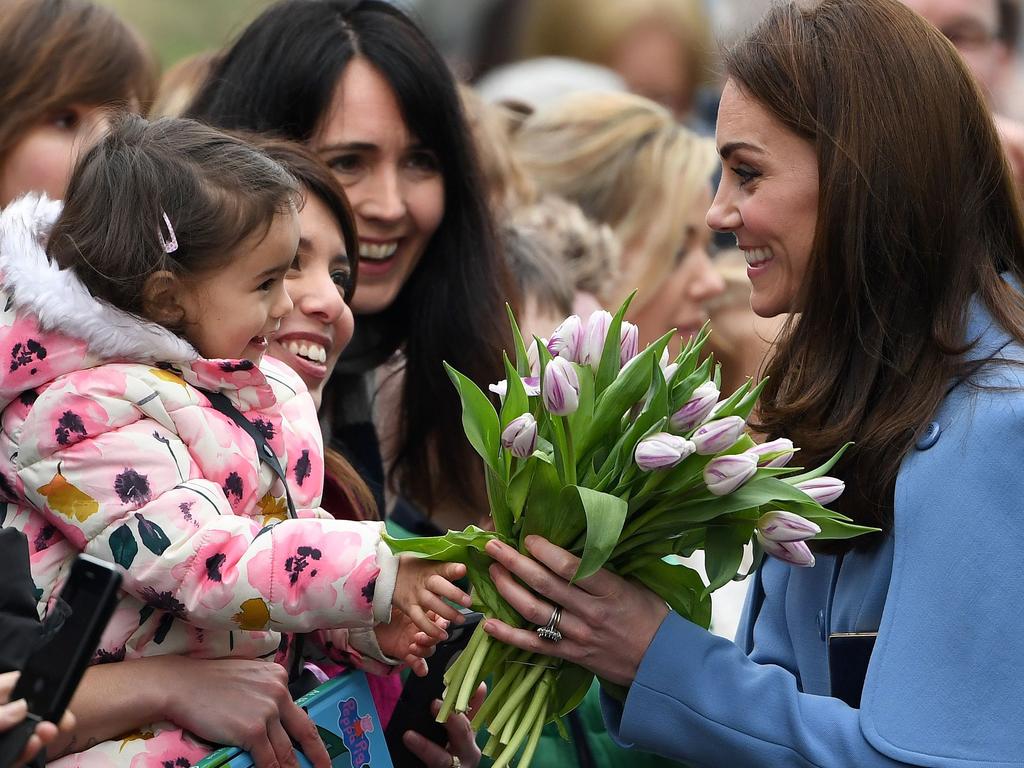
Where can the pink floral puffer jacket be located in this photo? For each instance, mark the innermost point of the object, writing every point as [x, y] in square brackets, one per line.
[109, 447]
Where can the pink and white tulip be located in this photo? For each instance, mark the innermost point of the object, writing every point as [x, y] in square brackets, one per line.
[793, 552]
[724, 474]
[594, 337]
[561, 388]
[629, 344]
[775, 453]
[697, 408]
[716, 436]
[823, 490]
[786, 526]
[567, 339]
[520, 436]
[661, 450]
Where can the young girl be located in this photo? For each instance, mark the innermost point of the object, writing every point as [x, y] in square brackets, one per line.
[133, 339]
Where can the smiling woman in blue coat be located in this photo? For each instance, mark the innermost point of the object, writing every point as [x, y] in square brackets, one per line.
[863, 179]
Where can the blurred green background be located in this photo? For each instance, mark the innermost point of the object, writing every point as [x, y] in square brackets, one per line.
[177, 28]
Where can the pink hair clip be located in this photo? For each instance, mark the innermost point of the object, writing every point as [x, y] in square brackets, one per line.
[170, 245]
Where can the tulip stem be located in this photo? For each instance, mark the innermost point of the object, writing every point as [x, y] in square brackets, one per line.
[570, 458]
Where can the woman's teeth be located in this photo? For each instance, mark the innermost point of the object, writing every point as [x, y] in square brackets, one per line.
[757, 256]
[377, 251]
[312, 352]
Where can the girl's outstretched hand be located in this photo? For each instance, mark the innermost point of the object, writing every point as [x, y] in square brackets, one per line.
[402, 639]
[423, 586]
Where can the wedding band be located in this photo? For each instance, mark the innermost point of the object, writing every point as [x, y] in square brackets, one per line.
[550, 630]
[456, 763]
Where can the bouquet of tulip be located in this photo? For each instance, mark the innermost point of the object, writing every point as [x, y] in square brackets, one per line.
[629, 461]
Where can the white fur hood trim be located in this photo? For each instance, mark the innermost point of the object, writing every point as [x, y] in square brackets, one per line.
[59, 300]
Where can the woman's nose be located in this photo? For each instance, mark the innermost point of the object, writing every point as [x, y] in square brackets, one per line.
[723, 216]
[381, 197]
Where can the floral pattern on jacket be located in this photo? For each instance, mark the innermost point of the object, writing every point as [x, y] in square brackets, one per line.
[110, 446]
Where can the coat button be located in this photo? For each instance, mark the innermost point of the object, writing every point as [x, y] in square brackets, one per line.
[930, 436]
[821, 625]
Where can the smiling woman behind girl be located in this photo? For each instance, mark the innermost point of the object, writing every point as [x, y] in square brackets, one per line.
[360, 84]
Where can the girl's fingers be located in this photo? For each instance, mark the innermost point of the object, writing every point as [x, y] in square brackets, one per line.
[428, 600]
[444, 588]
[419, 618]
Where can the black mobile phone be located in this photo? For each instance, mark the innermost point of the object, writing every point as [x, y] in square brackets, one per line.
[412, 711]
[849, 654]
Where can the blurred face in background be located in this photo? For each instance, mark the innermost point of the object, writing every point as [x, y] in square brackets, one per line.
[681, 299]
[653, 62]
[42, 159]
[973, 27]
[392, 181]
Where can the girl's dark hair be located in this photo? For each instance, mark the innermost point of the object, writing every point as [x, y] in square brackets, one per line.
[280, 77]
[315, 178]
[216, 191]
[55, 53]
[917, 214]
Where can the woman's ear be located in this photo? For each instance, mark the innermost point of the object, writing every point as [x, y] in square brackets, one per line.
[163, 300]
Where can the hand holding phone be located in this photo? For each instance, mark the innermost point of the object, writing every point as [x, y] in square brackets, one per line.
[54, 669]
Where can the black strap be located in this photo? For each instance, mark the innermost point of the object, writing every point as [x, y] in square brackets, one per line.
[221, 403]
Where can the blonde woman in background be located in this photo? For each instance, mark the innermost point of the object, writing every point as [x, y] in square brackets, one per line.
[661, 48]
[627, 163]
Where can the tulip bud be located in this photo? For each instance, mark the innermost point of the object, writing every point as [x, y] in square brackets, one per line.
[567, 339]
[594, 338]
[715, 436]
[775, 453]
[531, 384]
[669, 371]
[520, 436]
[561, 388]
[785, 526]
[696, 409]
[629, 346]
[725, 474]
[792, 552]
[823, 490]
[661, 451]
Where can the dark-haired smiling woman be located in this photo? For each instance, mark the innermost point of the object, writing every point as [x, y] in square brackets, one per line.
[864, 180]
[361, 85]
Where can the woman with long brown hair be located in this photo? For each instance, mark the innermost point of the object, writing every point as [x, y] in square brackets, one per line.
[64, 66]
[864, 181]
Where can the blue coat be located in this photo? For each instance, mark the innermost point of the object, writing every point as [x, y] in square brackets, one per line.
[945, 684]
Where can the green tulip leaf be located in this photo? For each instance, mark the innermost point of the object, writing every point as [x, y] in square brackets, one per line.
[516, 402]
[605, 516]
[453, 547]
[479, 420]
[723, 551]
[611, 357]
[522, 359]
[679, 586]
